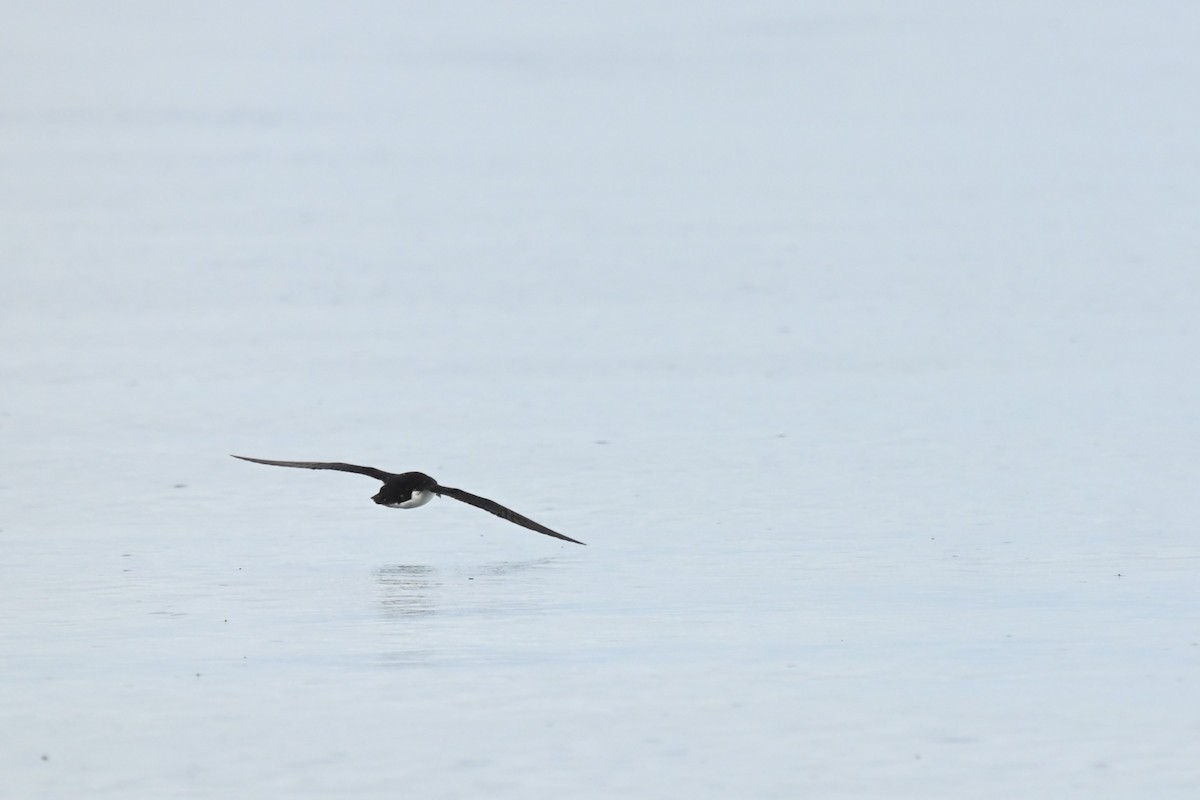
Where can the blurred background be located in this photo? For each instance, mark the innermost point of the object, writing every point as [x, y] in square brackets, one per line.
[856, 339]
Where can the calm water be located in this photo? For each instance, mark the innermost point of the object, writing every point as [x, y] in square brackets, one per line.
[857, 344]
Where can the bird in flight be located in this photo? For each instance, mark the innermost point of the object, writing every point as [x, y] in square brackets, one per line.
[412, 489]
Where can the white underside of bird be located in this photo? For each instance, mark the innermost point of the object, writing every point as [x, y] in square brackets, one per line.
[419, 498]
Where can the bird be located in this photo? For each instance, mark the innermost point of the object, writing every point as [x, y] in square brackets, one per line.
[413, 489]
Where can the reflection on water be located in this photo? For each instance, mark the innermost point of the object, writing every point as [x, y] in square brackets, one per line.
[413, 596]
[412, 590]
[407, 589]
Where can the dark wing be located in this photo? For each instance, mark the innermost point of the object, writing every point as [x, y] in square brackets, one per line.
[500, 511]
[378, 474]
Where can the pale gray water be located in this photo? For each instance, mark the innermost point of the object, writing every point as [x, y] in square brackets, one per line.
[857, 340]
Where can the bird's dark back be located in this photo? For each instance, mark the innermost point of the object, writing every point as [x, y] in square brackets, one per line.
[400, 488]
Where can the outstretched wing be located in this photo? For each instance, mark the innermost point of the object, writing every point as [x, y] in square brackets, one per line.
[500, 511]
[378, 474]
